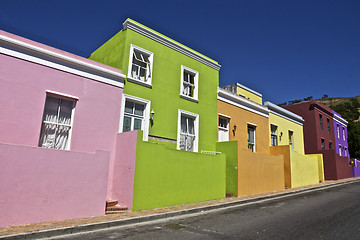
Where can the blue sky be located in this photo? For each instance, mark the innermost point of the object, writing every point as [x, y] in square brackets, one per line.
[285, 50]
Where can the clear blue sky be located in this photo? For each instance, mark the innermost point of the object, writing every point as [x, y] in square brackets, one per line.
[285, 50]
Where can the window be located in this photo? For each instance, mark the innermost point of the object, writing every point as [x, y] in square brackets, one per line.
[273, 135]
[251, 138]
[338, 130]
[291, 139]
[345, 151]
[322, 144]
[343, 128]
[188, 131]
[340, 150]
[321, 122]
[189, 84]
[57, 123]
[328, 124]
[135, 114]
[330, 145]
[223, 129]
[140, 66]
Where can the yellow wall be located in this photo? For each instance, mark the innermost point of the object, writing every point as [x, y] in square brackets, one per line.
[241, 118]
[300, 169]
[249, 95]
[284, 125]
[259, 173]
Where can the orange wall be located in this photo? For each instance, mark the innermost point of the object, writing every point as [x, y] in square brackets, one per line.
[241, 118]
[259, 173]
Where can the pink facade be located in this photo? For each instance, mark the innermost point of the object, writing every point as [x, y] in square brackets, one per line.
[29, 72]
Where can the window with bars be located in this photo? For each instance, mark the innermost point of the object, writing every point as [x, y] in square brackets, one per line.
[133, 116]
[291, 139]
[251, 138]
[189, 83]
[140, 65]
[57, 123]
[274, 135]
[223, 129]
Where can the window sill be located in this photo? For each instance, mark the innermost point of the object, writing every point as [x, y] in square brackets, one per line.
[145, 84]
[189, 98]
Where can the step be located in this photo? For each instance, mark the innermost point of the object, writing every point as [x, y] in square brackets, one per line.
[111, 203]
[116, 208]
[115, 212]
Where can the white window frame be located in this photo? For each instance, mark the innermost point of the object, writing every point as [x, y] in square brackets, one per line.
[196, 128]
[345, 151]
[254, 144]
[271, 135]
[66, 97]
[340, 150]
[222, 128]
[196, 84]
[148, 81]
[291, 139]
[343, 130]
[145, 124]
[338, 130]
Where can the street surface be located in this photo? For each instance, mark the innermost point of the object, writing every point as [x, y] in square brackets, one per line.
[332, 213]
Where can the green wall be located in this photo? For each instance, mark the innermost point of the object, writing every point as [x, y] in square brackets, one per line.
[165, 92]
[166, 177]
[231, 150]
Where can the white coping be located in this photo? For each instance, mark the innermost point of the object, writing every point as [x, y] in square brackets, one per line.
[171, 44]
[281, 112]
[340, 119]
[243, 103]
[36, 54]
[249, 89]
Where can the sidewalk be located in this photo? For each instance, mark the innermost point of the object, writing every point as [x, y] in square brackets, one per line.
[49, 229]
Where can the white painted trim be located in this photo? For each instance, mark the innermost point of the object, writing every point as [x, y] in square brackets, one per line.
[151, 59]
[196, 125]
[223, 115]
[147, 104]
[282, 112]
[252, 124]
[249, 89]
[196, 83]
[340, 120]
[58, 94]
[243, 103]
[129, 24]
[34, 54]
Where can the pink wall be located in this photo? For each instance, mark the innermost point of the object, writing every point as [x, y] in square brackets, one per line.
[38, 184]
[22, 98]
[124, 168]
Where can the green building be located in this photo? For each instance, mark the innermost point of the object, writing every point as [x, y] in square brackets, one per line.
[170, 97]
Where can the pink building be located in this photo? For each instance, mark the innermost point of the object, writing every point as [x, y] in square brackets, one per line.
[59, 124]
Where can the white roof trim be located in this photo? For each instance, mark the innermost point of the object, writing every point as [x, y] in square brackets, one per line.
[281, 112]
[249, 89]
[29, 52]
[241, 102]
[171, 44]
[340, 119]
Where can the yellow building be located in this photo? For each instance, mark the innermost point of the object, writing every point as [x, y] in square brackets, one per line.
[243, 134]
[245, 92]
[286, 138]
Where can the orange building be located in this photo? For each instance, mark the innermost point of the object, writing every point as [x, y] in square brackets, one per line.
[243, 134]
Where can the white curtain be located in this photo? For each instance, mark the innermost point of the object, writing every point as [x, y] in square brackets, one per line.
[56, 123]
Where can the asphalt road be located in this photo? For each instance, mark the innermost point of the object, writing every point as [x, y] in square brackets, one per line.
[326, 214]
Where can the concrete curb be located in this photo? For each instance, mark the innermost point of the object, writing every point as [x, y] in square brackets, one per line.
[122, 222]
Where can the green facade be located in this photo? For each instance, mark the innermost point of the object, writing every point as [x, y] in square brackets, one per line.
[165, 176]
[165, 91]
